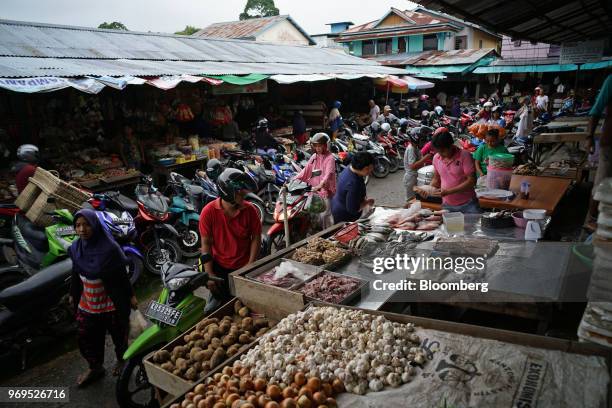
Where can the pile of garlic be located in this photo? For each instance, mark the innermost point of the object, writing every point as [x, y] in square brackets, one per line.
[366, 352]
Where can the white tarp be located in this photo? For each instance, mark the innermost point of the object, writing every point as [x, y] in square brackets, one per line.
[291, 79]
[464, 371]
[48, 84]
[169, 82]
[416, 83]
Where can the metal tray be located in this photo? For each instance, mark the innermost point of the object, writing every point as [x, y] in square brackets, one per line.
[363, 287]
[310, 269]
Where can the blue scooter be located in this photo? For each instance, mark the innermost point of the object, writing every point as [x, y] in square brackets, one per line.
[187, 202]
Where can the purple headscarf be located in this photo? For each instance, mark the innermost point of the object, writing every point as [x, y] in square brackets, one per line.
[100, 253]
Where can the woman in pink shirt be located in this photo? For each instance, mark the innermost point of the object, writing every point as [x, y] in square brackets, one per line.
[454, 174]
[320, 173]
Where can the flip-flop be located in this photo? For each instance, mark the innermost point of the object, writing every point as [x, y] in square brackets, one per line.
[86, 379]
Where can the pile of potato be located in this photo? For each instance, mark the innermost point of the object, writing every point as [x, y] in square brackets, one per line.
[211, 343]
[234, 387]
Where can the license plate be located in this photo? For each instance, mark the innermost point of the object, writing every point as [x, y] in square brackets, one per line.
[64, 231]
[163, 313]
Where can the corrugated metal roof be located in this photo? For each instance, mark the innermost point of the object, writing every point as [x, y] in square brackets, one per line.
[248, 29]
[551, 21]
[435, 58]
[33, 49]
[14, 67]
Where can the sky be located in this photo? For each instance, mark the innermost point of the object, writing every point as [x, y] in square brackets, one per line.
[174, 15]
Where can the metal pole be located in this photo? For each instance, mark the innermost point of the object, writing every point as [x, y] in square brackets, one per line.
[285, 216]
[387, 101]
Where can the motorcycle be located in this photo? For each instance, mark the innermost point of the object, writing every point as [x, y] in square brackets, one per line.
[35, 309]
[299, 220]
[265, 184]
[388, 144]
[37, 248]
[186, 205]
[156, 236]
[466, 120]
[115, 212]
[176, 298]
[7, 214]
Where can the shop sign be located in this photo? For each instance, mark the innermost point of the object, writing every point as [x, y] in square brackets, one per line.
[581, 52]
[227, 89]
[32, 85]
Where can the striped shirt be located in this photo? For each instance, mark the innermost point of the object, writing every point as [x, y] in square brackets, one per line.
[94, 298]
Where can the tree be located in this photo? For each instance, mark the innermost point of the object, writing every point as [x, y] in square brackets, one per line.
[115, 25]
[189, 30]
[259, 8]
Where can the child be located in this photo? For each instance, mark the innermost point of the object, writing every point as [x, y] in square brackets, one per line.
[412, 162]
[492, 146]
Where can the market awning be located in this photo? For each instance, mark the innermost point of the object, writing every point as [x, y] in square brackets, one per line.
[496, 69]
[239, 79]
[402, 85]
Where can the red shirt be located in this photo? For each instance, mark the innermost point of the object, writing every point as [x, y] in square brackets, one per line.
[22, 177]
[231, 237]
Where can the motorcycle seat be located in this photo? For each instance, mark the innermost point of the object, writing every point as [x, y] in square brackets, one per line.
[37, 285]
[193, 190]
[123, 201]
[33, 234]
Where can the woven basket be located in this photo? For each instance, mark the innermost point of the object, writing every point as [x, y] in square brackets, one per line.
[27, 197]
[51, 184]
[40, 209]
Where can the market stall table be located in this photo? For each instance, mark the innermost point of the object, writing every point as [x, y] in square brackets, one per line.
[544, 193]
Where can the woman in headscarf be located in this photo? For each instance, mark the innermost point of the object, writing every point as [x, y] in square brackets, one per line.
[101, 294]
[335, 119]
[525, 114]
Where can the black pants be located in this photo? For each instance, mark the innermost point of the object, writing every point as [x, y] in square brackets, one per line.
[91, 335]
[222, 294]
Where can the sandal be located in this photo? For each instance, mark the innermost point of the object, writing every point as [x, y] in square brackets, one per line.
[90, 376]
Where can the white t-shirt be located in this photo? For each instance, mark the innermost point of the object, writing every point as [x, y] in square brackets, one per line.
[542, 102]
[441, 98]
[374, 112]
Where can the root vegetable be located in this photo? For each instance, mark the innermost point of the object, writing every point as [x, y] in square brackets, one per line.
[243, 312]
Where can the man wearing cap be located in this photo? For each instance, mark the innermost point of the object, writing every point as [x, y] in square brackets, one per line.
[320, 173]
[387, 116]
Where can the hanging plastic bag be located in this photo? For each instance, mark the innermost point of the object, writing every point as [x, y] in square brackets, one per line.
[315, 204]
[138, 324]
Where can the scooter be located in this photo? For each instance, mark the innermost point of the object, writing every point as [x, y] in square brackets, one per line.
[156, 236]
[7, 214]
[185, 207]
[176, 299]
[298, 218]
[388, 144]
[36, 247]
[35, 309]
[114, 211]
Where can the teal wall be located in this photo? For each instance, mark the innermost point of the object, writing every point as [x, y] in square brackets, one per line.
[415, 43]
[394, 45]
[357, 48]
[441, 38]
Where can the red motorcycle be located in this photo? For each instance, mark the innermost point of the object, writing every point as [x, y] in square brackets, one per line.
[158, 239]
[388, 143]
[297, 216]
[466, 120]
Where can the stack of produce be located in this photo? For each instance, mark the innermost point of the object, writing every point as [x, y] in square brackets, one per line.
[349, 348]
[529, 169]
[211, 343]
[320, 251]
[596, 325]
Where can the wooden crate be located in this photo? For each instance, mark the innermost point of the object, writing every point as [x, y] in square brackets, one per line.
[175, 385]
[523, 339]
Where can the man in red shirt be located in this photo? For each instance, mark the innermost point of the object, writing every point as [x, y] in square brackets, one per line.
[231, 233]
[26, 166]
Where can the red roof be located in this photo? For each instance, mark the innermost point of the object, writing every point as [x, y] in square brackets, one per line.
[246, 29]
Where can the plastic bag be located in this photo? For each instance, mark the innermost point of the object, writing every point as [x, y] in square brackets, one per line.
[315, 204]
[138, 324]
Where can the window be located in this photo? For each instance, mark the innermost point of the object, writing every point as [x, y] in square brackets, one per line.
[461, 42]
[402, 45]
[384, 46]
[480, 44]
[430, 42]
[368, 48]
[351, 48]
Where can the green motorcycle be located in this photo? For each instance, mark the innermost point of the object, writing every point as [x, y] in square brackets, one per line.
[176, 310]
[37, 247]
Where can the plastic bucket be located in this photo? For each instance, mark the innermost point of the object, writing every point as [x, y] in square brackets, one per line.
[498, 178]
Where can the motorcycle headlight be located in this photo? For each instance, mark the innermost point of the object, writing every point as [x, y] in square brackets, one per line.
[176, 283]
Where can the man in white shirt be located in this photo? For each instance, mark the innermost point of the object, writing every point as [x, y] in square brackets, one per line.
[541, 101]
[374, 110]
[441, 99]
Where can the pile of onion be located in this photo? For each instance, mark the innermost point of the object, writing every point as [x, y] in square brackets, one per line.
[235, 388]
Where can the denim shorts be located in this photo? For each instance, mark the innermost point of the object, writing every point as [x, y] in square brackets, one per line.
[471, 207]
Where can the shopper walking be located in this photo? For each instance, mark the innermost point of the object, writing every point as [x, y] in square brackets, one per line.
[100, 293]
